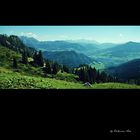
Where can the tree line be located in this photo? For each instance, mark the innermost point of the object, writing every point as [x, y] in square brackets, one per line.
[49, 67]
[88, 74]
[85, 72]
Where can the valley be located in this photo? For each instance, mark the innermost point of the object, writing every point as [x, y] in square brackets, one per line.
[104, 54]
[62, 64]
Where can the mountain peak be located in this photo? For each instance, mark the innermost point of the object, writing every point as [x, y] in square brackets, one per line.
[129, 42]
[132, 42]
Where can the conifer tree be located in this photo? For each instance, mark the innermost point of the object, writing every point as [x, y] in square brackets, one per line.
[48, 67]
[66, 69]
[98, 77]
[83, 75]
[94, 75]
[35, 58]
[103, 77]
[15, 65]
[55, 68]
[40, 59]
[24, 58]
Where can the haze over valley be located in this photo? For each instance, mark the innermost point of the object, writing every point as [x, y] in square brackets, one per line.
[107, 54]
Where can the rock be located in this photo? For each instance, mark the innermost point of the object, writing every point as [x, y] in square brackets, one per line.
[87, 84]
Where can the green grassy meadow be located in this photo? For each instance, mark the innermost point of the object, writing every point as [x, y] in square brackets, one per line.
[14, 80]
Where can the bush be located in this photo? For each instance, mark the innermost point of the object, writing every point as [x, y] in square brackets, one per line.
[66, 77]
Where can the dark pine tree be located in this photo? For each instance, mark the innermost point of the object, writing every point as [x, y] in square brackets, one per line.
[80, 73]
[76, 71]
[15, 65]
[98, 78]
[40, 59]
[66, 69]
[109, 78]
[87, 76]
[35, 58]
[90, 75]
[103, 77]
[83, 75]
[24, 58]
[48, 68]
[138, 81]
[55, 68]
[94, 75]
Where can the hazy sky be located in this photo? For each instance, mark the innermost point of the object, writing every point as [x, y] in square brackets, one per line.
[114, 34]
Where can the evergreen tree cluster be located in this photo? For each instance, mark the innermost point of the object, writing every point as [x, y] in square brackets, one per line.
[38, 59]
[88, 74]
[52, 67]
[15, 65]
[132, 81]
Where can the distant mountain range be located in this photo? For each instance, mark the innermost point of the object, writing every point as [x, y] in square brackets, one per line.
[109, 54]
[119, 54]
[83, 41]
[60, 45]
[124, 50]
[107, 45]
[76, 45]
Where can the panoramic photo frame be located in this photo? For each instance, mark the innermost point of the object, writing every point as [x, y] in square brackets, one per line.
[69, 57]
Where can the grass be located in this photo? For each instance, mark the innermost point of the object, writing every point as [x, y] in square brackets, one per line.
[115, 86]
[66, 77]
[16, 80]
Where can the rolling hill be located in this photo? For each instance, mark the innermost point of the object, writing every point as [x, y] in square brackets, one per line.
[68, 58]
[129, 49]
[7, 55]
[128, 70]
[14, 43]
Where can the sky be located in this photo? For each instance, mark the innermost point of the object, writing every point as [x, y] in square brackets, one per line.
[101, 34]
